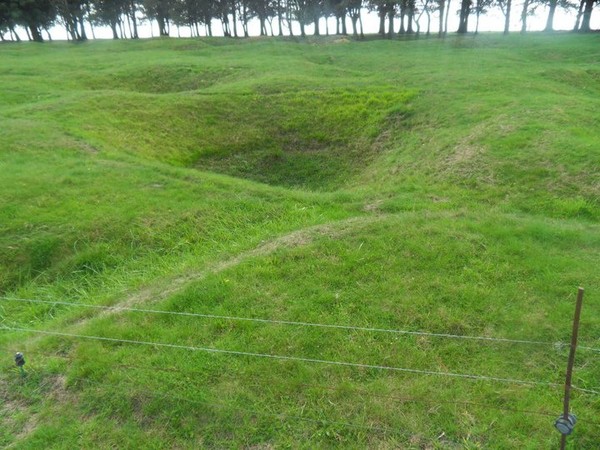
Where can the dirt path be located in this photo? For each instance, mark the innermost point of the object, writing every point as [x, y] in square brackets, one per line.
[302, 237]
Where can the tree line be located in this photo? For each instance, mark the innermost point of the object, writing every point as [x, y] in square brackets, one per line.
[276, 17]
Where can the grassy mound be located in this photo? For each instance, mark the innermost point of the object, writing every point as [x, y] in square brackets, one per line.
[441, 185]
[220, 116]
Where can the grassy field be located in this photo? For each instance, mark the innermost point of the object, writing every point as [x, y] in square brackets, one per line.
[448, 186]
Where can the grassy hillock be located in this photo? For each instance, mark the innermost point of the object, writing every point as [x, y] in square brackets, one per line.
[449, 186]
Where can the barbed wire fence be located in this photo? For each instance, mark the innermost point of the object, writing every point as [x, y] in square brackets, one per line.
[566, 420]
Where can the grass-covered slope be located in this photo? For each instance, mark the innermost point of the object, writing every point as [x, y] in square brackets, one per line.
[450, 186]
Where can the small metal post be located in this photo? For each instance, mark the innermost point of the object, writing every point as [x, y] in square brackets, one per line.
[566, 422]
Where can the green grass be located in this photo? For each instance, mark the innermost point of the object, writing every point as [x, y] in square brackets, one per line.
[450, 186]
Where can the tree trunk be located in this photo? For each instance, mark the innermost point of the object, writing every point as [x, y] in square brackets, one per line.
[14, 33]
[381, 13]
[127, 16]
[234, 20]
[442, 10]
[410, 16]
[162, 25]
[362, 33]
[524, 17]
[88, 10]
[279, 18]
[418, 22]
[465, 9]
[317, 29]
[289, 21]
[34, 34]
[391, 22]
[113, 27]
[225, 26]
[579, 14]
[134, 21]
[245, 19]
[587, 15]
[446, 19]
[71, 32]
[83, 35]
[550, 19]
[507, 17]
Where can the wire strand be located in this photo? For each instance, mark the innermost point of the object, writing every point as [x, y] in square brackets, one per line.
[408, 399]
[290, 358]
[400, 399]
[588, 391]
[297, 323]
[411, 399]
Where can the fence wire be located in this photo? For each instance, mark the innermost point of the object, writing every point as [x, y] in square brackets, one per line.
[297, 323]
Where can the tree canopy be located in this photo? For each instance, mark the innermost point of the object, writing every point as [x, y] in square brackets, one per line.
[36, 17]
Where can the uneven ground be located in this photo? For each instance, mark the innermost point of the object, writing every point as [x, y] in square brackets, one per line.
[449, 186]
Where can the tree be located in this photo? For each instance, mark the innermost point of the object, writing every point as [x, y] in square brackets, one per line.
[340, 9]
[72, 13]
[109, 12]
[481, 8]
[526, 11]
[380, 6]
[426, 7]
[407, 9]
[131, 8]
[505, 6]
[9, 19]
[446, 18]
[465, 11]
[354, 9]
[265, 11]
[442, 10]
[412, 11]
[35, 16]
[306, 12]
[550, 19]
[159, 10]
[587, 15]
[244, 14]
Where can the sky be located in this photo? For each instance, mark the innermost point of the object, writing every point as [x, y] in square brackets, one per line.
[493, 21]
